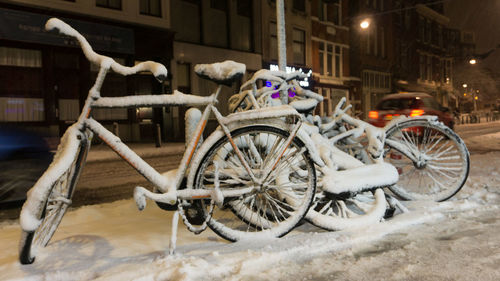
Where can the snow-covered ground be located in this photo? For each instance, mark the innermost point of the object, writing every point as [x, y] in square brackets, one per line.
[454, 240]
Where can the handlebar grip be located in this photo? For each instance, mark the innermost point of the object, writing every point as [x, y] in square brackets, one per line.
[62, 27]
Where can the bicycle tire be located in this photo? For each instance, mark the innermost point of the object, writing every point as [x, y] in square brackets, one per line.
[245, 217]
[54, 206]
[443, 155]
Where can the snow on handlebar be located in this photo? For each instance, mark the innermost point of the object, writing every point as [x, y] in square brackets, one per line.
[159, 70]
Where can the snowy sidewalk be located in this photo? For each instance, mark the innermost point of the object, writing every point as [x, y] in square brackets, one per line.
[101, 152]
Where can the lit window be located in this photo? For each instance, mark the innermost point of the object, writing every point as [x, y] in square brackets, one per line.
[20, 57]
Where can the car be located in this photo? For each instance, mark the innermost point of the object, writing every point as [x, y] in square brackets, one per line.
[24, 156]
[409, 104]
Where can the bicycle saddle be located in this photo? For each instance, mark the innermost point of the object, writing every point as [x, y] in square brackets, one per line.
[224, 73]
[304, 106]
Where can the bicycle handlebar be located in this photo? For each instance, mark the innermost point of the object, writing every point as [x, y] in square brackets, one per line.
[159, 70]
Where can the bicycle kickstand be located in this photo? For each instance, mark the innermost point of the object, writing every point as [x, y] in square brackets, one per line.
[173, 236]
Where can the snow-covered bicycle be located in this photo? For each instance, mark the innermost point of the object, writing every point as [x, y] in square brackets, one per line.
[350, 192]
[431, 160]
[233, 181]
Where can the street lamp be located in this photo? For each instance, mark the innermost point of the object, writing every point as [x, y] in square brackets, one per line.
[364, 24]
[472, 61]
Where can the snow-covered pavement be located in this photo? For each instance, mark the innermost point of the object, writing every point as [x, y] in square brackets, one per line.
[454, 240]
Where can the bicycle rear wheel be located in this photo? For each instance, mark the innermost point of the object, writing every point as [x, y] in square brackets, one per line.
[441, 163]
[284, 197]
[62, 176]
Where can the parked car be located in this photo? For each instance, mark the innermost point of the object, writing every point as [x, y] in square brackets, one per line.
[409, 104]
[24, 156]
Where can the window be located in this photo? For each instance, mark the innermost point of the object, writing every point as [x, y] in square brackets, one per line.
[215, 24]
[21, 109]
[150, 7]
[219, 5]
[334, 13]
[244, 8]
[273, 41]
[299, 46]
[367, 46]
[447, 71]
[428, 30]
[422, 69]
[337, 61]
[331, 97]
[330, 59]
[376, 80]
[329, 12]
[112, 4]
[242, 29]
[299, 5]
[382, 42]
[187, 24]
[421, 28]
[429, 68]
[321, 52]
[20, 57]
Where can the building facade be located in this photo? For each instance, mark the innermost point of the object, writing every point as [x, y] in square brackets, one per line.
[209, 31]
[372, 52]
[45, 78]
[330, 54]
[424, 50]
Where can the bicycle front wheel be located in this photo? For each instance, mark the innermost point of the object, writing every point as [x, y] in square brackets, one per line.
[439, 162]
[68, 168]
[281, 200]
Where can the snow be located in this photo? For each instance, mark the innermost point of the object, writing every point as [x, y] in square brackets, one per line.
[221, 71]
[453, 240]
[177, 98]
[64, 157]
[358, 179]
[158, 70]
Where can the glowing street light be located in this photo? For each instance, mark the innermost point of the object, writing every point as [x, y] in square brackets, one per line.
[464, 85]
[364, 24]
[472, 61]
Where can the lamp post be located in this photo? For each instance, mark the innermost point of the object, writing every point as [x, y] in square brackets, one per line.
[281, 32]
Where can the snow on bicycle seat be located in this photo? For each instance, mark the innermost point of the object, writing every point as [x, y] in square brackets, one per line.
[304, 105]
[224, 73]
[358, 179]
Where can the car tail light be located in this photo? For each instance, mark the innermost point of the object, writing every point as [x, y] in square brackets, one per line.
[416, 112]
[373, 114]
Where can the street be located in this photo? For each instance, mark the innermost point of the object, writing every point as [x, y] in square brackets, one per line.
[453, 240]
